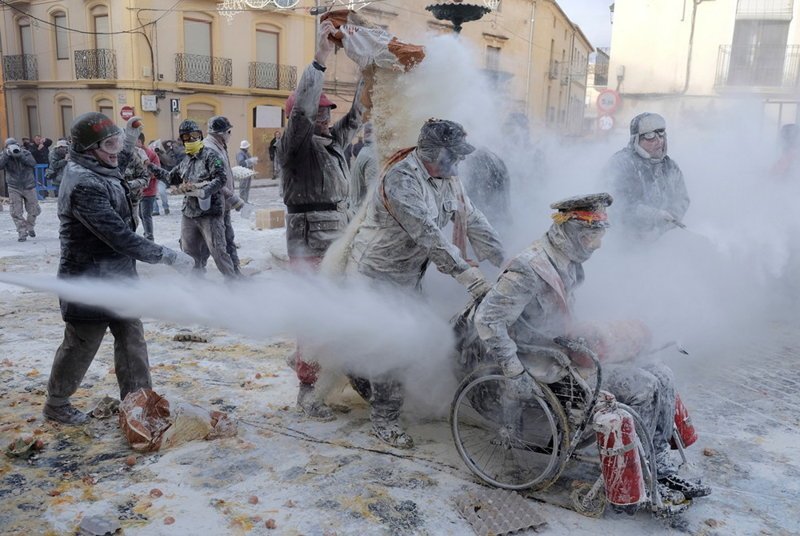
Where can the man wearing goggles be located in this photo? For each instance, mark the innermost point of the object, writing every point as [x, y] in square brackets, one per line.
[648, 185]
[98, 240]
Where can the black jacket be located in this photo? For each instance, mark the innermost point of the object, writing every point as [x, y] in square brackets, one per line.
[97, 231]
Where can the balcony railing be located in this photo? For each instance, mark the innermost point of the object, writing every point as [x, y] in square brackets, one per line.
[758, 66]
[96, 64]
[20, 67]
[272, 76]
[203, 69]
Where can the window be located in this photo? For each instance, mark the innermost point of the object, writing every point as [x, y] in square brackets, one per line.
[66, 117]
[101, 26]
[266, 46]
[33, 120]
[25, 37]
[61, 35]
[197, 37]
[493, 58]
[765, 9]
[758, 53]
[106, 107]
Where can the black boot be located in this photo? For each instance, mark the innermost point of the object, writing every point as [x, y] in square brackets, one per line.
[691, 489]
[67, 414]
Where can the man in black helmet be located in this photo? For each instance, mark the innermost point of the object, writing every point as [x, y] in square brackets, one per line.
[98, 240]
[201, 178]
[647, 184]
[219, 134]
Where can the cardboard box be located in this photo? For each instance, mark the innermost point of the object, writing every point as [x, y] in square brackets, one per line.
[272, 218]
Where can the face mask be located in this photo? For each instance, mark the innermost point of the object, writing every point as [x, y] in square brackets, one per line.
[193, 147]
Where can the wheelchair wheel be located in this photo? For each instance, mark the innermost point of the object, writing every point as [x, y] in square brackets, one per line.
[509, 442]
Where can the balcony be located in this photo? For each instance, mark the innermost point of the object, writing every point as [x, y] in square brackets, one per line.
[196, 69]
[96, 64]
[20, 67]
[272, 76]
[762, 67]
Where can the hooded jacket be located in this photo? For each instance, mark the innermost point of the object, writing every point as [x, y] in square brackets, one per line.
[205, 166]
[19, 169]
[97, 231]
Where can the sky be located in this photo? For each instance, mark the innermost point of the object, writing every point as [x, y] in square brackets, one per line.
[593, 18]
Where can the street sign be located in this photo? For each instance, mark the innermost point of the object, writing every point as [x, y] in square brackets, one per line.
[174, 105]
[149, 103]
[126, 112]
[608, 101]
[605, 122]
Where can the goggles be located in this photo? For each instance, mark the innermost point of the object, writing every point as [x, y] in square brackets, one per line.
[660, 132]
[112, 144]
[191, 136]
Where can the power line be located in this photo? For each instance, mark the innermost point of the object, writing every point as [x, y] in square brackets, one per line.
[85, 32]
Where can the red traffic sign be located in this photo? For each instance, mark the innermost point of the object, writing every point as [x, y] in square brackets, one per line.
[608, 101]
[126, 112]
[605, 122]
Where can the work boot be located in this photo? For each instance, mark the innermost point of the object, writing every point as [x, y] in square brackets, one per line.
[166, 212]
[312, 406]
[672, 502]
[22, 238]
[690, 489]
[391, 434]
[32, 234]
[67, 414]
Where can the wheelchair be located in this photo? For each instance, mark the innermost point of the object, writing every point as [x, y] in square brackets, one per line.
[523, 440]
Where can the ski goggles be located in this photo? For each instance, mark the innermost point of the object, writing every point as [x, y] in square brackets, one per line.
[191, 136]
[660, 132]
[112, 144]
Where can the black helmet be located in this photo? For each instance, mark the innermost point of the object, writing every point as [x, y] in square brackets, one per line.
[90, 129]
[219, 124]
[188, 126]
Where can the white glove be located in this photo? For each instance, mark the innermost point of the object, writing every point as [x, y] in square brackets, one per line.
[252, 161]
[475, 282]
[132, 129]
[179, 260]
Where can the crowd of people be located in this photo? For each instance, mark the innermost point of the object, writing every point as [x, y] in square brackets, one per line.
[396, 212]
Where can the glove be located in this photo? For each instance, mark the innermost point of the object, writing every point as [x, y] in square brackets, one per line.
[132, 129]
[511, 366]
[185, 187]
[475, 282]
[238, 205]
[179, 260]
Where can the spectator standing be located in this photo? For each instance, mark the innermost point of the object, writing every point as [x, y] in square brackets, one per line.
[40, 149]
[244, 159]
[59, 157]
[149, 192]
[273, 153]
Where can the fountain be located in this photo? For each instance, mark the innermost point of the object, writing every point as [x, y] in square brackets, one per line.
[457, 12]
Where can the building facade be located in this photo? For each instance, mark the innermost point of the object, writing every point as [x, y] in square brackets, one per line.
[534, 56]
[691, 60]
[65, 58]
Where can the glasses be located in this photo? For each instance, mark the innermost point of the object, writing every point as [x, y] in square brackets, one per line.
[112, 144]
[191, 136]
[660, 132]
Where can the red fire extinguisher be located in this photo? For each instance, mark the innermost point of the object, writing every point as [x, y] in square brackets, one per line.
[683, 424]
[619, 455]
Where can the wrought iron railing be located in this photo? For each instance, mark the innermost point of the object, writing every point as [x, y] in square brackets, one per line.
[272, 76]
[758, 66]
[599, 72]
[20, 67]
[96, 63]
[203, 69]
[566, 72]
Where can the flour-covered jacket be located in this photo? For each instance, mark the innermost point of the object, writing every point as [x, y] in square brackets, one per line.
[229, 191]
[97, 230]
[530, 303]
[19, 169]
[395, 244]
[206, 166]
[643, 188]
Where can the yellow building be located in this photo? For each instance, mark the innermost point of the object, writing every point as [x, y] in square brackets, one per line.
[534, 55]
[65, 58]
[691, 60]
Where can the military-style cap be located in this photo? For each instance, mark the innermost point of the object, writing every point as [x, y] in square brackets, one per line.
[444, 133]
[588, 209]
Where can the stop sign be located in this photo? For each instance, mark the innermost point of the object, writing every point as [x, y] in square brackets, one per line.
[126, 112]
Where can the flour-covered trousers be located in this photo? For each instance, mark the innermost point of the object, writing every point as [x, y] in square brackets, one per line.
[23, 201]
[203, 236]
[650, 391]
[385, 395]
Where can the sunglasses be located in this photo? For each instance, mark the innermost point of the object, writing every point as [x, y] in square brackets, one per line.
[660, 132]
[191, 136]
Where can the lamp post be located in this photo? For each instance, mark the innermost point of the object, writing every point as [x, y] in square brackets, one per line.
[457, 12]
